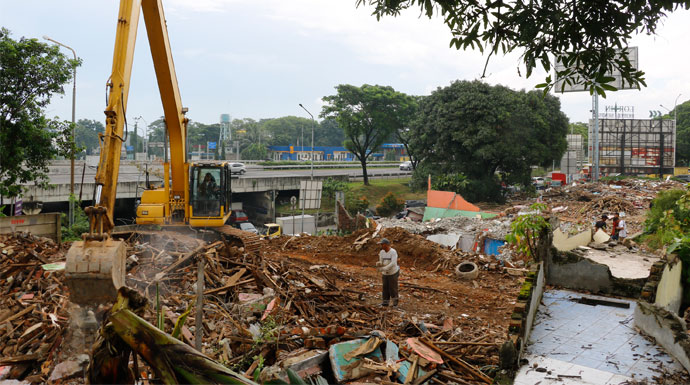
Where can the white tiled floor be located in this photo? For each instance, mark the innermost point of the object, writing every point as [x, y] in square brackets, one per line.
[597, 343]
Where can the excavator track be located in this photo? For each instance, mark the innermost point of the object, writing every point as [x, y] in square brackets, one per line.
[250, 241]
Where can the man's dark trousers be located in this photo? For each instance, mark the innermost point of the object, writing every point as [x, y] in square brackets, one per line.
[390, 288]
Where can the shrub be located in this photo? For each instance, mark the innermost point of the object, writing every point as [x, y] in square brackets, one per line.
[80, 226]
[330, 186]
[356, 205]
[487, 189]
[390, 204]
[664, 201]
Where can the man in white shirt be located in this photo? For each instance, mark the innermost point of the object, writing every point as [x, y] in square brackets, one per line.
[388, 266]
[621, 229]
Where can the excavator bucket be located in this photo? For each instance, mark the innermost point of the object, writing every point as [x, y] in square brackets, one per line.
[95, 270]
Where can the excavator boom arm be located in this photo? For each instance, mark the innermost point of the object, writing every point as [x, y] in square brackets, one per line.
[106, 179]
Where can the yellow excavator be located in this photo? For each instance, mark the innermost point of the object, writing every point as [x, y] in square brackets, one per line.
[193, 194]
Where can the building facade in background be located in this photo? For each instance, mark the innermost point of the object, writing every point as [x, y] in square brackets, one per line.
[321, 153]
[635, 146]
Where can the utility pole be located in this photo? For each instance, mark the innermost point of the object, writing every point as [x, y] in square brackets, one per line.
[312, 139]
[595, 156]
[134, 139]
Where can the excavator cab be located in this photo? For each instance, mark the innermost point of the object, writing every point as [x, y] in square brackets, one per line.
[209, 194]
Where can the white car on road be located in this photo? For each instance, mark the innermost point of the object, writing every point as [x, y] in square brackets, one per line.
[238, 168]
[246, 226]
[407, 166]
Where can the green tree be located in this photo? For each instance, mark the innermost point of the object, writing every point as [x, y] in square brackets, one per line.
[403, 133]
[287, 130]
[30, 74]
[255, 151]
[328, 133]
[368, 115]
[682, 113]
[86, 134]
[200, 135]
[584, 34]
[248, 131]
[480, 131]
[156, 133]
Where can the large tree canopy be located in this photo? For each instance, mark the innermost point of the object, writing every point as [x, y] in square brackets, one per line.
[30, 74]
[479, 130]
[86, 134]
[682, 113]
[584, 34]
[368, 115]
[287, 130]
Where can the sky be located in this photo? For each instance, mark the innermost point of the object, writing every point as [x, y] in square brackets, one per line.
[261, 58]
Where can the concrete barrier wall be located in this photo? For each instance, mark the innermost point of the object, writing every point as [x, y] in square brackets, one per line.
[669, 293]
[667, 329]
[537, 293]
[572, 271]
[43, 225]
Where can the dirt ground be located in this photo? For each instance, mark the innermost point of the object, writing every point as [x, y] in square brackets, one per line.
[479, 307]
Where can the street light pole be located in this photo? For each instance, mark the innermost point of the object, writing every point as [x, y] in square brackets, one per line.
[675, 112]
[74, 102]
[312, 139]
[146, 137]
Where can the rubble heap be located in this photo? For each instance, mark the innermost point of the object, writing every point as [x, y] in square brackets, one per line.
[580, 206]
[301, 297]
[33, 306]
[498, 227]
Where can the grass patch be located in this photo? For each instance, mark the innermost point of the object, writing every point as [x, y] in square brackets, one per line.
[378, 188]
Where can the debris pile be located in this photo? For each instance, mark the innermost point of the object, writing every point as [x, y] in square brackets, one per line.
[306, 303]
[580, 206]
[307, 298]
[497, 227]
[33, 306]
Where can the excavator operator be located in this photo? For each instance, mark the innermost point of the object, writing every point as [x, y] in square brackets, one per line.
[208, 188]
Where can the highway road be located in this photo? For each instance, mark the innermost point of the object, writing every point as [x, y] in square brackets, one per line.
[354, 172]
[59, 172]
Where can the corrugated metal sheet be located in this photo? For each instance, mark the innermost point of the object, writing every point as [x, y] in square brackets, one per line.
[435, 212]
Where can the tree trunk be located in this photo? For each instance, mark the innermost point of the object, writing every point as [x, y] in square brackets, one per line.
[172, 361]
[364, 171]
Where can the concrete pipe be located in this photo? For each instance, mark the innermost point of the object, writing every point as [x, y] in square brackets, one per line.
[467, 270]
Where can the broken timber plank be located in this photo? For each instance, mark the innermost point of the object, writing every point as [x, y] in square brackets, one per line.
[21, 313]
[19, 359]
[184, 259]
[471, 369]
[226, 287]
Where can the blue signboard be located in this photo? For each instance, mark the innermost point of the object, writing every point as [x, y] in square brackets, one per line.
[211, 145]
[130, 148]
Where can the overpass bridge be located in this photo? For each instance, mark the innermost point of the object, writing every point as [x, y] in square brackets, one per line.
[258, 186]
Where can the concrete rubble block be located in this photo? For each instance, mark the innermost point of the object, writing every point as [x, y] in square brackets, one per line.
[601, 237]
[564, 243]
[449, 240]
[68, 369]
